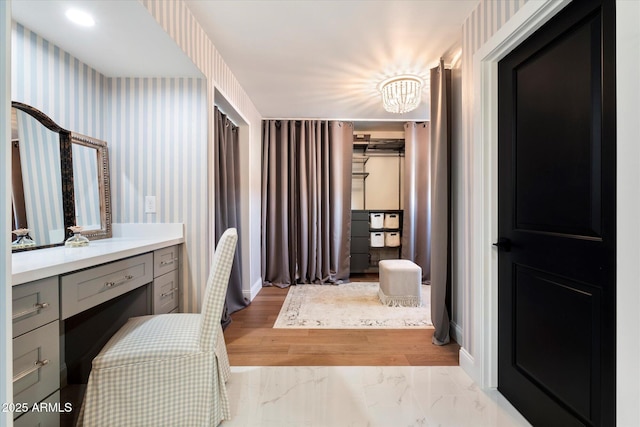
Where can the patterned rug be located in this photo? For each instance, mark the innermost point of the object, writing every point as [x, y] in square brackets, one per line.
[349, 306]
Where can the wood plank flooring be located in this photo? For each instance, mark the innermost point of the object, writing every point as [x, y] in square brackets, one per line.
[252, 341]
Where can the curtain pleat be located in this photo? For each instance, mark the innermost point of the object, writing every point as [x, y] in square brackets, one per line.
[227, 204]
[306, 199]
[440, 202]
[416, 233]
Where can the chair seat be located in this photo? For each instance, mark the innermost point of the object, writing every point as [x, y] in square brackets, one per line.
[151, 338]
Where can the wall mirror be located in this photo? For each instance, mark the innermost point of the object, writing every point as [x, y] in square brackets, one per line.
[59, 179]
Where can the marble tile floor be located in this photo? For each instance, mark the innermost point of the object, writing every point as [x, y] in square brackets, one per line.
[337, 396]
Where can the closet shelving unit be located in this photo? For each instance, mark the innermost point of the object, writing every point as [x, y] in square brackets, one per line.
[371, 242]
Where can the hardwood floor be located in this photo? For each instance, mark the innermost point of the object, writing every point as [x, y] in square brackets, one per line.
[252, 341]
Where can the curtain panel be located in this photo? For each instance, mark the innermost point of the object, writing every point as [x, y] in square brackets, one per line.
[306, 201]
[416, 230]
[226, 171]
[440, 202]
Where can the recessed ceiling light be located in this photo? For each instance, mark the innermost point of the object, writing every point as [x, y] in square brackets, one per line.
[81, 18]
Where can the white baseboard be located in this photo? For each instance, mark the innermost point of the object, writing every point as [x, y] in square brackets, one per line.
[468, 364]
[456, 332]
[256, 287]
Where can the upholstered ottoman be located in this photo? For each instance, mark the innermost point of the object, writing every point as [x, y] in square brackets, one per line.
[400, 283]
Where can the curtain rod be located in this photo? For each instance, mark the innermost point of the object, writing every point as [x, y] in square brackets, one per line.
[343, 120]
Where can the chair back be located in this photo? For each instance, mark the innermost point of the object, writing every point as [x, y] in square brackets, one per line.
[216, 291]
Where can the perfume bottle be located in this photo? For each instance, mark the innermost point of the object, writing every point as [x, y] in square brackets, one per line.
[77, 240]
[23, 240]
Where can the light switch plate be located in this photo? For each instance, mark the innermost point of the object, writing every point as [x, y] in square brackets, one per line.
[150, 204]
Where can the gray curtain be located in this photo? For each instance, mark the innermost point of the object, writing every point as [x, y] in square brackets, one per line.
[227, 203]
[416, 223]
[440, 202]
[306, 201]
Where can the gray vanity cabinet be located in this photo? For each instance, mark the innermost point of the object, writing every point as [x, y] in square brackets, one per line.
[166, 272]
[44, 309]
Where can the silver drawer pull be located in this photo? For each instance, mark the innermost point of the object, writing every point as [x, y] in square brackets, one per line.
[171, 261]
[168, 293]
[37, 365]
[34, 309]
[118, 282]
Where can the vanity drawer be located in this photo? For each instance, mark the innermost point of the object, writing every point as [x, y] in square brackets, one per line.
[165, 260]
[36, 364]
[34, 304]
[89, 288]
[42, 419]
[166, 292]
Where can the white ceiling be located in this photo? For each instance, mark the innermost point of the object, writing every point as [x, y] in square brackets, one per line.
[294, 59]
[125, 42]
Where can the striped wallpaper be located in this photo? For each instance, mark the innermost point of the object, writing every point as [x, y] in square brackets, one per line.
[158, 147]
[56, 83]
[178, 21]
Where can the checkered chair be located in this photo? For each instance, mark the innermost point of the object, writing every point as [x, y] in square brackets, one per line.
[168, 369]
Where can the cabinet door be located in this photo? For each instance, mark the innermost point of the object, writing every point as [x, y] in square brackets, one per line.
[166, 291]
[359, 263]
[36, 364]
[165, 260]
[43, 418]
[34, 304]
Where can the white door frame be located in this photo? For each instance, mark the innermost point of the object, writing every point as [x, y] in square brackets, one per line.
[483, 364]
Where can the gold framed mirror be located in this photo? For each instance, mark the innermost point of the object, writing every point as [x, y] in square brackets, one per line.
[59, 179]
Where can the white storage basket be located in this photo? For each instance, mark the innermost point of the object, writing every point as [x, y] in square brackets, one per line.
[391, 220]
[376, 220]
[377, 240]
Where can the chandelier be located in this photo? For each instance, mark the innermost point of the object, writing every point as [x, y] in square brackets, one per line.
[401, 94]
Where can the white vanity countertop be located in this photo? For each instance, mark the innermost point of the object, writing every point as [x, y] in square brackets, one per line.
[128, 240]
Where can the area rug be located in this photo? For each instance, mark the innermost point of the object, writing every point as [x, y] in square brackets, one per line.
[348, 306]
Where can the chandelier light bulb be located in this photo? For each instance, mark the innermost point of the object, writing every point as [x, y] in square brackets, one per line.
[401, 94]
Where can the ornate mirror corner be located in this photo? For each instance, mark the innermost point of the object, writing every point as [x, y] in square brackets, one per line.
[91, 186]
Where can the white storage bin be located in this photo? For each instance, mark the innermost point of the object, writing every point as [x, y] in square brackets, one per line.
[392, 239]
[391, 220]
[377, 240]
[376, 220]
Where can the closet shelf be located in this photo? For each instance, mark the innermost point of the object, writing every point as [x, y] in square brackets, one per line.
[362, 175]
[360, 159]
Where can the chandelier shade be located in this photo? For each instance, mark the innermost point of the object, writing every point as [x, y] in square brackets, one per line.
[401, 94]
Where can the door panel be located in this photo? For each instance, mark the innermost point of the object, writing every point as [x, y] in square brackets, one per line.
[556, 207]
[555, 151]
[559, 362]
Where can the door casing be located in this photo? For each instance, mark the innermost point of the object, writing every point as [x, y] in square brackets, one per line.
[481, 331]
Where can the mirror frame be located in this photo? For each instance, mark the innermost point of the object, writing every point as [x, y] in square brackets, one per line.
[103, 180]
[67, 138]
